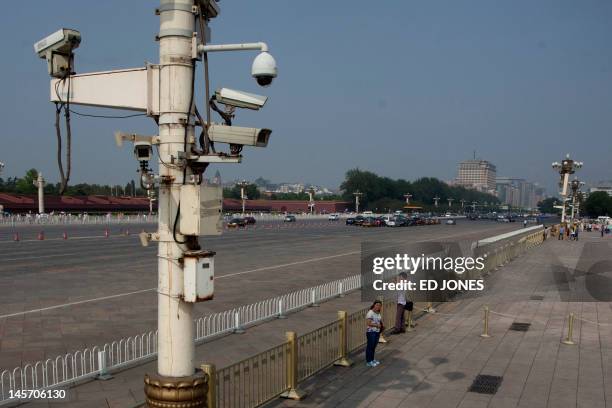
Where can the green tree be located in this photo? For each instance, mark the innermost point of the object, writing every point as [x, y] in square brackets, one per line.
[598, 203]
[26, 185]
[547, 205]
[250, 190]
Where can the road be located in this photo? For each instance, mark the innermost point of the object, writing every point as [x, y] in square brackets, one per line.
[63, 295]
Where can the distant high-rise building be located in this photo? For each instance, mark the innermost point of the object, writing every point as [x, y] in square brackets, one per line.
[517, 192]
[477, 175]
[605, 186]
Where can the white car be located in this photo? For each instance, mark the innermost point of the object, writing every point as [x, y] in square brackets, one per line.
[451, 222]
[333, 217]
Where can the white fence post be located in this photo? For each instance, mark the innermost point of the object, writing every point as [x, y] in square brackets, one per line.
[313, 298]
[281, 315]
[237, 328]
[102, 372]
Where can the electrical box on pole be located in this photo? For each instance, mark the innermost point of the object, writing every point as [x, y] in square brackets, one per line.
[199, 270]
[201, 210]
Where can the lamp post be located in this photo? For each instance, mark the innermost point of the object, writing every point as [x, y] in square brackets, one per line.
[40, 185]
[436, 199]
[575, 186]
[408, 196]
[357, 194]
[450, 202]
[311, 201]
[243, 197]
[565, 169]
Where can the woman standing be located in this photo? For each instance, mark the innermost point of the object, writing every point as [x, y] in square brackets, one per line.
[374, 326]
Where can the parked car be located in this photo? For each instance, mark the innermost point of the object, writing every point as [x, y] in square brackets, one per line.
[379, 221]
[289, 218]
[359, 220]
[333, 217]
[250, 220]
[350, 221]
[451, 222]
[369, 222]
[237, 223]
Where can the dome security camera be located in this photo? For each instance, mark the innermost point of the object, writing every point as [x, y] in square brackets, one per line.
[264, 69]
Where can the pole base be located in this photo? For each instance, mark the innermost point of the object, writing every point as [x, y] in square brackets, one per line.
[176, 392]
[343, 362]
[293, 394]
[568, 342]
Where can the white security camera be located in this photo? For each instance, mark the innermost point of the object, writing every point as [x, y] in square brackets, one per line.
[240, 99]
[57, 50]
[239, 135]
[264, 69]
[143, 151]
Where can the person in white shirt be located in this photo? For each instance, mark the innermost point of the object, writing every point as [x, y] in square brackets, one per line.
[373, 330]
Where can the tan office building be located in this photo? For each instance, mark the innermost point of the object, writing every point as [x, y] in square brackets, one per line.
[478, 175]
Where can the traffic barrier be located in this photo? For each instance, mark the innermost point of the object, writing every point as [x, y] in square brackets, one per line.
[16, 236]
[106, 233]
[64, 235]
[41, 236]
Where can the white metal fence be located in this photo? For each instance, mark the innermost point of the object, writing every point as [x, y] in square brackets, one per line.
[74, 367]
[15, 220]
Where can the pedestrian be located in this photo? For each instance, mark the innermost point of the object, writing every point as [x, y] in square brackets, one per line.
[524, 223]
[400, 307]
[561, 232]
[576, 232]
[374, 328]
[602, 231]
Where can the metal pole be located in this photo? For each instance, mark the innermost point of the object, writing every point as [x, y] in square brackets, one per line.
[176, 346]
[175, 317]
[40, 184]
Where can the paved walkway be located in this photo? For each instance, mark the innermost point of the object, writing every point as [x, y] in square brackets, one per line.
[435, 365]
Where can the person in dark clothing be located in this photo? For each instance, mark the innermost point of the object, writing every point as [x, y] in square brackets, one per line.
[401, 307]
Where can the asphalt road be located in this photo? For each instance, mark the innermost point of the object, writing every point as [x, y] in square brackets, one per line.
[62, 295]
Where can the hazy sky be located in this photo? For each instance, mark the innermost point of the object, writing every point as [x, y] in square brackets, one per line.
[402, 88]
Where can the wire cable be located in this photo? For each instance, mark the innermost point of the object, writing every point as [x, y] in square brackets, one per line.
[88, 115]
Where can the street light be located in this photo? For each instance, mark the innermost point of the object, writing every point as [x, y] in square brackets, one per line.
[357, 194]
[565, 168]
[243, 197]
[311, 202]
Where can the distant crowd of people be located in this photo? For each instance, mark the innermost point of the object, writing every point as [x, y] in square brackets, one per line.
[572, 231]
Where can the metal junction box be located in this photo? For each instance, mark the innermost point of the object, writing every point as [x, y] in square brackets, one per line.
[201, 208]
[199, 274]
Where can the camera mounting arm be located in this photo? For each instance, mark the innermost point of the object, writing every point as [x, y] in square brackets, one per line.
[261, 46]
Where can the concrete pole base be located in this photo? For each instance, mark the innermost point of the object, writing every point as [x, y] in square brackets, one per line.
[180, 392]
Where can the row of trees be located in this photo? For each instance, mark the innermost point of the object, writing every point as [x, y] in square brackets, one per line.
[384, 193]
[25, 185]
[253, 193]
[597, 204]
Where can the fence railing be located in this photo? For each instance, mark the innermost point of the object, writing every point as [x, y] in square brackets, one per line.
[278, 371]
[62, 219]
[68, 369]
